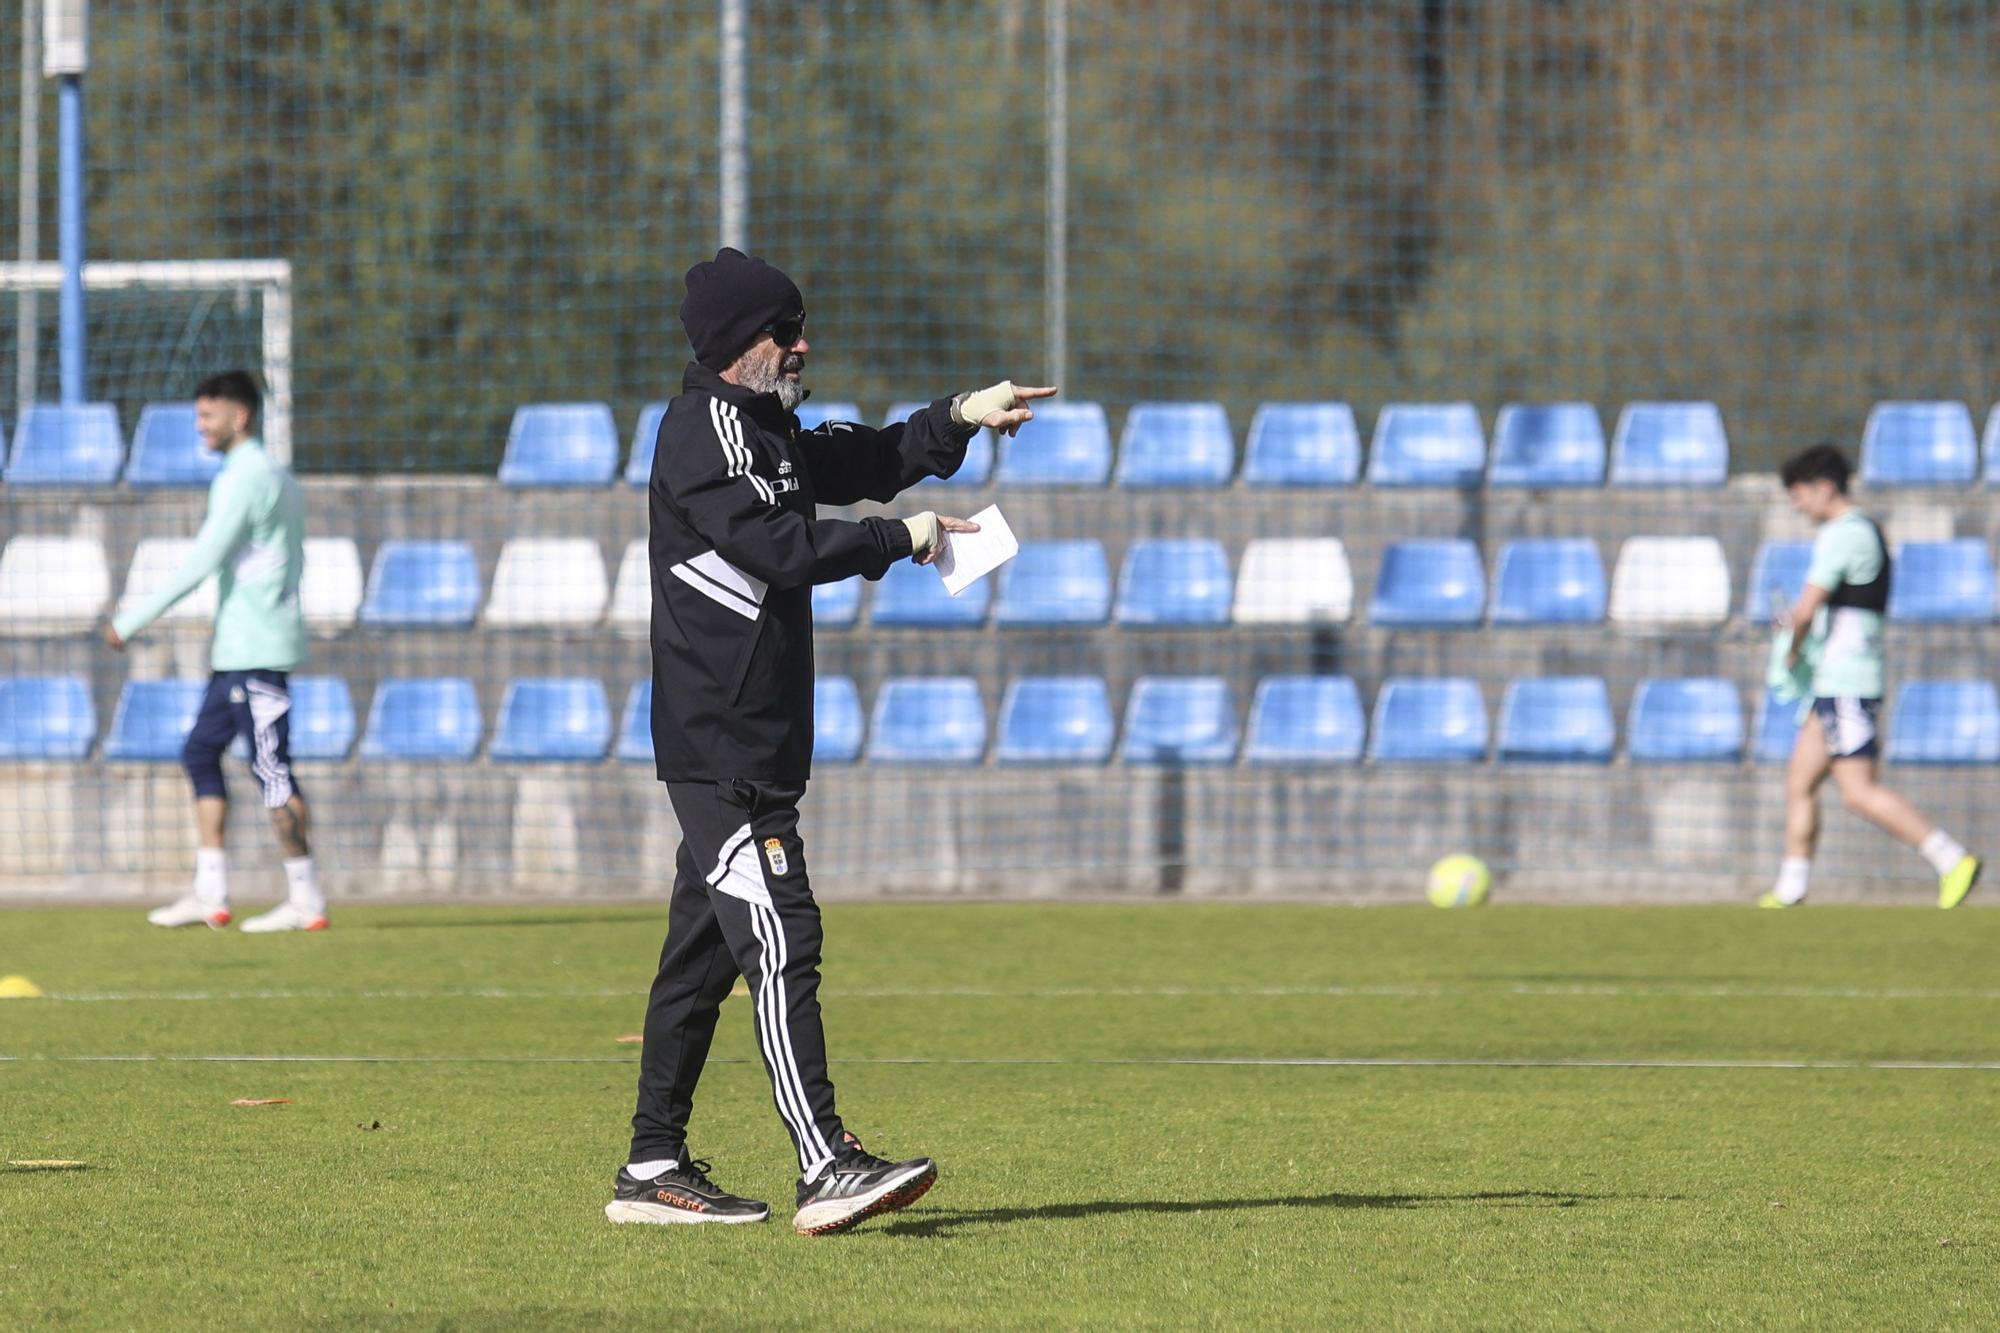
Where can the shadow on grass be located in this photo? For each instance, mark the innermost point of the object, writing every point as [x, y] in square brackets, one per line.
[1677, 979]
[658, 917]
[949, 1223]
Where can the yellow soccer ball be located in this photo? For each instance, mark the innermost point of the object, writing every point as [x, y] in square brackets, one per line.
[1459, 881]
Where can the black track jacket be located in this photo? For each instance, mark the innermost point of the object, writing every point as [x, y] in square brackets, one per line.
[737, 545]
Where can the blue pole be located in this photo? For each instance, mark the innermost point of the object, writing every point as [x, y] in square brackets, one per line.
[69, 238]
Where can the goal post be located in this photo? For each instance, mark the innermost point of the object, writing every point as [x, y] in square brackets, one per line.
[165, 323]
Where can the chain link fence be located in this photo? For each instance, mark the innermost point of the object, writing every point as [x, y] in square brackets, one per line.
[1784, 210]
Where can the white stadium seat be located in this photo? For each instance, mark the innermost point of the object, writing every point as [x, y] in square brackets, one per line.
[1294, 581]
[632, 598]
[52, 585]
[153, 563]
[330, 586]
[1663, 581]
[547, 581]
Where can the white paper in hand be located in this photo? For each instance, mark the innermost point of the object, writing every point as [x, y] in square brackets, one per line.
[968, 557]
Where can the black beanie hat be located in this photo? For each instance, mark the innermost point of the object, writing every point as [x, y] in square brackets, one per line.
[730, 300]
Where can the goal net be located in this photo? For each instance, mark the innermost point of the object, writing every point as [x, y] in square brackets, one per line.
[155, 328]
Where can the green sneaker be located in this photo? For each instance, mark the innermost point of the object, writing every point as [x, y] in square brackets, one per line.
[1953, 887]
[1773, 900]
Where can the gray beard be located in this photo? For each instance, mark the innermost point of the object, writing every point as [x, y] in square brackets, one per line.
[790, 393]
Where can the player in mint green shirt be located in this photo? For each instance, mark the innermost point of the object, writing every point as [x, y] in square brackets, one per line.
[1832, 655]
[253, 543]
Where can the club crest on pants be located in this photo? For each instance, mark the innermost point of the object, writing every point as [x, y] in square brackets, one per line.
[774, 853]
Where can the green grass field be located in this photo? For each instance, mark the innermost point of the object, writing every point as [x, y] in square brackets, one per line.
[1154, 1115]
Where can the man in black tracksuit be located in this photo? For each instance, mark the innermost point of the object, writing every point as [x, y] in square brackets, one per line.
[737, 546]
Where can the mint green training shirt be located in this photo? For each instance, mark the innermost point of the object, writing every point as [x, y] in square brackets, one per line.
[1847, 550]
[254, 541]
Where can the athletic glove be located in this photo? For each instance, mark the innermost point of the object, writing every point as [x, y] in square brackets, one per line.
[969, 409]
[924, 534]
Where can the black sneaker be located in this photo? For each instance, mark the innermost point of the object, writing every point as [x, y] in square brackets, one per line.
[681, 1193]
[859, 1186]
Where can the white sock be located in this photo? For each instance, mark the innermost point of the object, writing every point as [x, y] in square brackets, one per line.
[1942, 851]
[647, 1170]
[303, 886]
[1793, 872]
[211, 876]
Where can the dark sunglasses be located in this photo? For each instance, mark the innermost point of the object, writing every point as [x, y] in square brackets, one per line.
[787, 332]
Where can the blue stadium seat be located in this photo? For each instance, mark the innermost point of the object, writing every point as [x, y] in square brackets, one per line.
[1945, 722]
[422, 583]
[1557, 719]
[1778, 567]
[1429, 582]
[1551, 581]
[167, 450]
[322, 720]
[928, 720]
[46, 717]
[1424, 720]
[976, 470]
[1548, 444]
[1427, 444]
[635, 727]
[1055, 583]
[80, 445]
[1169, 581]
[1306, 720]
[645, 439]
[425, 717]
[551, 719]
[1777, 727]
[914, 595]
[1067, 444]
[1690, 720]
[560, 444]
[836, 721]
[153, 719]
[1302, 444]
[837, 605]
[813, 415]
[1179, 720]
[1670, 444]
[1989, 446]
[1056, 720]
[1176, 444]
[1942, 581]
[1919, 444]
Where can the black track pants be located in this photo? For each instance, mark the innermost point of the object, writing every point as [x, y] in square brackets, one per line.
[742, 905]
